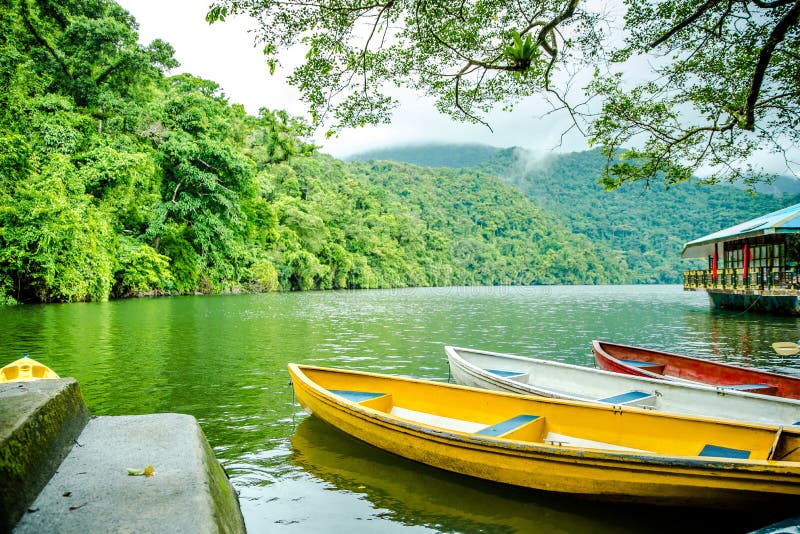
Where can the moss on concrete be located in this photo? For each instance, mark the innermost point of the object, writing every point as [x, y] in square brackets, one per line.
[41, 421]
[39, 424]
[227, 514]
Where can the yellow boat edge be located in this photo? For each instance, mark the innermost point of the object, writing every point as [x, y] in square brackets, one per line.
[26, 369]
[616, 475]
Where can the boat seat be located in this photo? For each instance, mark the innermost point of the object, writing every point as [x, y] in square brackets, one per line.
[448, 423]
[356, 396]
[630, 398]
[506, 374]
[560, 440]
[647, 366]
[724, 452]
[507, 426]
[765, 389]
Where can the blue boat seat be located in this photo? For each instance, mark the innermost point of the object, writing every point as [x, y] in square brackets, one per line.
[627, 398]
[356, 396]
[504, 374]
[639, 363]
[507, 426]
[724, 452]
[647, 366]
[756, 388]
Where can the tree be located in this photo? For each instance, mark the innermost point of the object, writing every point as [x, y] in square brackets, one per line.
[206, 177]
[89, 50]
[724, 80]
[727, 85]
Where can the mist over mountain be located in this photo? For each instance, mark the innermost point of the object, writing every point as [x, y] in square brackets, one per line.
[454, 156]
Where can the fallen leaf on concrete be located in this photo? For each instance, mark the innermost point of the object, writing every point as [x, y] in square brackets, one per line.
[148, 471]
[66, 494]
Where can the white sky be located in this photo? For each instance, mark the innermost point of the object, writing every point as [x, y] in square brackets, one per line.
[224, 53]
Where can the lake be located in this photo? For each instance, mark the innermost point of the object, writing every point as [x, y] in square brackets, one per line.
[223, 359]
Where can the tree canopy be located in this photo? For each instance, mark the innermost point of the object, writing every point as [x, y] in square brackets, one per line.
[119, 180]
[722, 81]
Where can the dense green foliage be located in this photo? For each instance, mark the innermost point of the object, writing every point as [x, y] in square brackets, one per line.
[454, 156]
[493, 233]
[642, 228]
[645, 227]
[117, 180]
[723, 85]
[675, 86]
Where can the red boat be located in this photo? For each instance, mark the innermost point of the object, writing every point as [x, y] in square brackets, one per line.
[639, 361]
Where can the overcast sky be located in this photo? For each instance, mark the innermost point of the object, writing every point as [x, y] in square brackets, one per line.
[224, 53]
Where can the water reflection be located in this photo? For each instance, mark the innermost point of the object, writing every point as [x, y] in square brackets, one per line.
[415, 494]
[223, 359]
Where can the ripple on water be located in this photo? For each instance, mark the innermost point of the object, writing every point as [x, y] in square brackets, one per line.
[223, 360]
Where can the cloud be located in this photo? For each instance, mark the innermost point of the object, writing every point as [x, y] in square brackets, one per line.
[225, 53]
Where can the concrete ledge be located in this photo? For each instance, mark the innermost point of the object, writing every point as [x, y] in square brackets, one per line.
[92, 491]
[39, 422]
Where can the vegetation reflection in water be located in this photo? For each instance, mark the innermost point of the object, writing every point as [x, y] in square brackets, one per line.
[223, 359]
[413, 494]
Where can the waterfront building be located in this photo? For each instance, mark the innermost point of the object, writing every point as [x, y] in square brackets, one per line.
[753, 266]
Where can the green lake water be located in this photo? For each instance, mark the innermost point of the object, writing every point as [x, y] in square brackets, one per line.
[223, 359]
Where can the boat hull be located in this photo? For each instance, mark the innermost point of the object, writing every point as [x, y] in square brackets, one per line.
[24, 370]
[640, 361]
[529, 376]
[619, 476]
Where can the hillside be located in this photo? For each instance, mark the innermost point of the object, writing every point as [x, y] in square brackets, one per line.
[434, 155]
[494, 234]
[642, 228]
[647, 227]
[117, 180]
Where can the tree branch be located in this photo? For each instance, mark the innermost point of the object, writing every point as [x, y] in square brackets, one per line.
[775, 38]
[771, 5]
[26, 18]
[568, 13]
[684, 23]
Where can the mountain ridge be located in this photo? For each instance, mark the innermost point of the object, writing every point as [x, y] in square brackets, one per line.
[643, 227]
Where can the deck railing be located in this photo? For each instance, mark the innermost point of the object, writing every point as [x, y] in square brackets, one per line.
[760, 278]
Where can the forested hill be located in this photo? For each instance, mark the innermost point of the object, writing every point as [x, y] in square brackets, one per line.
[647, 227]
[493, 232]
[454, 156]
[644, 228]
[118, 180]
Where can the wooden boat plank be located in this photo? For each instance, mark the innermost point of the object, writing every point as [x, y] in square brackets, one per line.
[507, 426]
[562, 440]
[447, 423]
[356, 396]
[628, 397]
[718, 451]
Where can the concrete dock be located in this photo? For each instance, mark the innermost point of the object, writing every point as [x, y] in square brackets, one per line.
[61, 471]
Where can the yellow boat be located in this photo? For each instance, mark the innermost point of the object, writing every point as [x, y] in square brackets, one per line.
[607, 452]
[24, 370]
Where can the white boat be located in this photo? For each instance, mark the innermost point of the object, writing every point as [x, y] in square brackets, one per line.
[518, 374]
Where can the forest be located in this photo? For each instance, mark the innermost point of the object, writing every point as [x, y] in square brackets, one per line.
[119, 180]
[642, 227]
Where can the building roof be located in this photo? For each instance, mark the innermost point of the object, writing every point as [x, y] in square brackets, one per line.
[786, 220]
